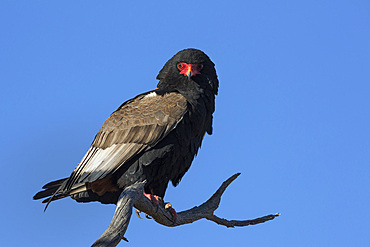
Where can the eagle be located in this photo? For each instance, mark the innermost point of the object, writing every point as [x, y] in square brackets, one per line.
[152, 137]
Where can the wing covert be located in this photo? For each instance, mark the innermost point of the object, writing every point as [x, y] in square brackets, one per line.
[136, 125]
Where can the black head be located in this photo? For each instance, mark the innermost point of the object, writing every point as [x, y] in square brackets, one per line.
[187, 69]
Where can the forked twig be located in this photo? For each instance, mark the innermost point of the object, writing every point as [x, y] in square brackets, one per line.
[132, 196]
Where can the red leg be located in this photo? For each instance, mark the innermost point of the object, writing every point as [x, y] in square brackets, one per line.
[157, 201]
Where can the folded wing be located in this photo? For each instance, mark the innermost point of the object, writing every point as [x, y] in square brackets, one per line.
[137, 125]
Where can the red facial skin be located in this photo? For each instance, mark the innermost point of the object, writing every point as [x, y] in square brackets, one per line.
[189, 70]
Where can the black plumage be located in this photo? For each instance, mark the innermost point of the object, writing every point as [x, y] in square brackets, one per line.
[152, 137]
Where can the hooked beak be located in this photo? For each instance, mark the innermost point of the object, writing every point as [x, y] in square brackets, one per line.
[189, 73]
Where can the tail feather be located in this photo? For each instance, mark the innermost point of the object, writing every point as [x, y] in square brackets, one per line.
[49, 189]
[53, 184]
[54, 198]
[44, 193]
[56, 190]
[53, 191]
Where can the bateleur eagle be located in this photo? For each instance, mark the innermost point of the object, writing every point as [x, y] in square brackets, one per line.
[152, 137]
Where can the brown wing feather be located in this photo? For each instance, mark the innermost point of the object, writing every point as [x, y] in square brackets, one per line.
[135, 126]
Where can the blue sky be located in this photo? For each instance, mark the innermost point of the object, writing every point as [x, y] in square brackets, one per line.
[292, 115]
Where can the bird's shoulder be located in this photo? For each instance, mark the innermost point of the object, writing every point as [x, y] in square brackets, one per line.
[142, 119]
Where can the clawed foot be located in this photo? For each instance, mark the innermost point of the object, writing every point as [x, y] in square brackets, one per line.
[158, 201]
[172, 211]
[154, 198]
[138, 215]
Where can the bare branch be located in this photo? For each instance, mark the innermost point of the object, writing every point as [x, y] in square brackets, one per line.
[118, 226]
[233, 223]
[133, 196]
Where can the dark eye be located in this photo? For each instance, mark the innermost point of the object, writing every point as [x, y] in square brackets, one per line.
[180, 66]
[199, 66]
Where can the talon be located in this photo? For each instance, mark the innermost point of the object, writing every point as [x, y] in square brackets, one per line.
[148, 217]
[138, 214]
[125, 239]
[172, 211]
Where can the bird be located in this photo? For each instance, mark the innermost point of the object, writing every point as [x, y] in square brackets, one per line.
[152, 137]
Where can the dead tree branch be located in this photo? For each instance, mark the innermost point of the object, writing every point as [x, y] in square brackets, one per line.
[133, 197]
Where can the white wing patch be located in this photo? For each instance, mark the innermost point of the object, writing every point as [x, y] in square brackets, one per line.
[101, 156]
[152, 94]
[99, 162]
